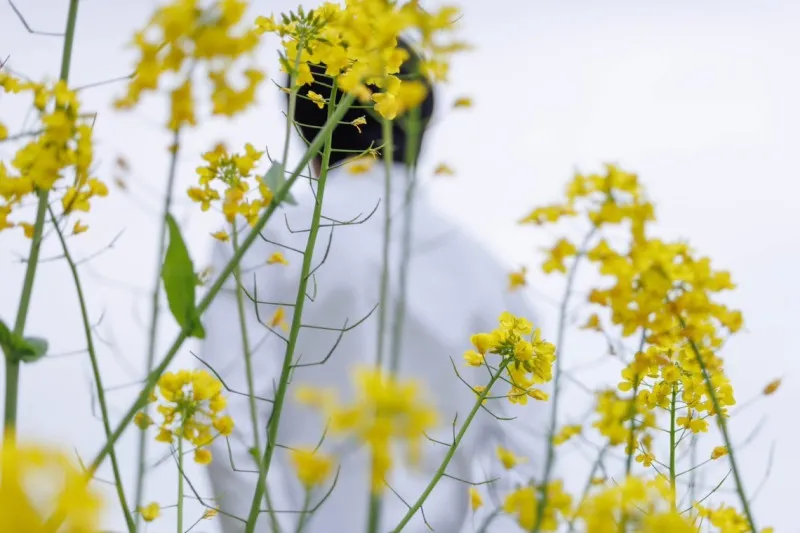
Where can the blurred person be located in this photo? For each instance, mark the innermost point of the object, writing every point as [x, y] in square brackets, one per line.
[455, 289]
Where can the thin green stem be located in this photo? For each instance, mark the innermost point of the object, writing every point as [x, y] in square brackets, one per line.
[723, 426]
[101, 395]
[215, 287]
[412, 151]
[12, 367]
[672, 446]
[155, 309]
[180, 485]
[451, 450]
[374, 513]
[294, 331]
[304, 514]
[388, 159]
[248, 366]
[562, 326]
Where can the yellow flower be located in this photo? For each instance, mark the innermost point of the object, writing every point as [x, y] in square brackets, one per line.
[209, 514]
[473, 358]
[221, 235]
[27, 229]
[277, 258]
[593, 322]
[360, 165]
[566, 433]
[278, 320]
[202, 456]
[517, 279]
[40, 482]
[79, 227]
[150, 512]
[192, 410]
[317, 99]
[463, 101]
[358, 122]
[312, 468]
[719, 451]
[384, 411]
[507, 458]
[475, 500]
[558, 253]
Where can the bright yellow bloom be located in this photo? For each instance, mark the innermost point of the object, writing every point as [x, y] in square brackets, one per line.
[517, 279]
[277, 258]
[385, 411]
[79, 228]
[221, 235]
[317, 99]
[40, 482]
[312, 468]
[524, 504]
[192, 409]
[150, 512]
[463, 101]
[142, 421]
[507, 458]
[566, 433]
[475, 500]
[719, 451]
[360, 165]
[278, 319]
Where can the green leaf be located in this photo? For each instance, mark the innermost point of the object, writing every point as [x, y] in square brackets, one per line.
[274, 179]
[31, 349]
[21, 349]
[179, 282]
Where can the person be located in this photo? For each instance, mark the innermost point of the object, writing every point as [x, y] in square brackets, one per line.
[455, 288]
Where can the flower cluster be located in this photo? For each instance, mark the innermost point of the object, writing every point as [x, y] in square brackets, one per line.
[527, 361]
[523, 503]
[358, 44]
[184, 35]
[39, 483]
[385, 410]
[62, 142]
[191, 409]
[232, 174]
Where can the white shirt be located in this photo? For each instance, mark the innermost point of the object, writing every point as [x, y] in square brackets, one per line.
[455, 289]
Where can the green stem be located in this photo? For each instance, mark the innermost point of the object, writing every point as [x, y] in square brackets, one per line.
[101, 395]
[672, 446]
[334, 115]
[304, 514]
[562, 325]
[723, 426]
[155, 309]
[388, 159]
[374, 516]
[205, 302]
[180, 485]
[451, 450]
[412, 151]
[248, 366]
[12, 367]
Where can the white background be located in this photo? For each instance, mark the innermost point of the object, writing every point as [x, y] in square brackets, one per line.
[700, 98]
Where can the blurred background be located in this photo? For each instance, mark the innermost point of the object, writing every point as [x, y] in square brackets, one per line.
[699, 97]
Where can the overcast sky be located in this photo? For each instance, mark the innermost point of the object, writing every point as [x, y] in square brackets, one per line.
[700, 98]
